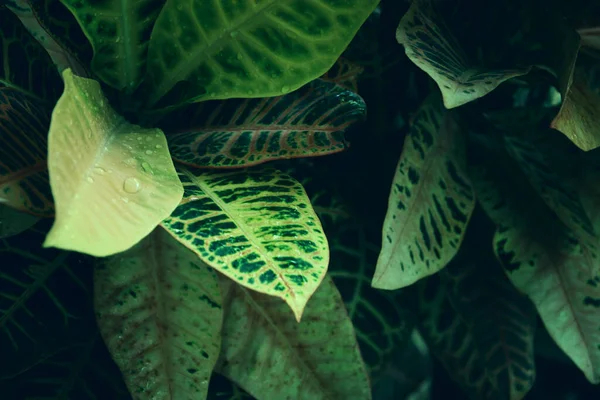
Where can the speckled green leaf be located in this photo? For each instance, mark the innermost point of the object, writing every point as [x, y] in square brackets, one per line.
[432, 47]
[271, 356]
[159, 310]
[542, 256]
[249, 48]
[430, 203]
[238, 133]
[256, 227]
[119, 31]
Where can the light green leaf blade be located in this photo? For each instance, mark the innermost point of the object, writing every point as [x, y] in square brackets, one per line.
[542, 257]
[159, 311]
[119, 31]
[430, 203]
[112, 182]
[432, 47]
[270, 355]
[250, 48]
[257, 227]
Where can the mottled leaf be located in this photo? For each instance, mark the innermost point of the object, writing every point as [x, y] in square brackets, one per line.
[432, 47]
[13, 222]
[344, 73]
[430, 203]
[542, 256]
[159, 310]
[119, 31]
[112, 182]
[256, 227]
[270, 355]
[239, 133]
[249, 48]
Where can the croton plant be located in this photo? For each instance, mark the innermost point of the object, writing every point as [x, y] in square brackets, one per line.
[167, 230]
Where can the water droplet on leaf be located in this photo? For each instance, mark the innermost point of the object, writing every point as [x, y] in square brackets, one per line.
[90, 179]
[148, 152]
[132, 185]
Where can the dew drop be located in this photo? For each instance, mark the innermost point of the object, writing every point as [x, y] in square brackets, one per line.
[139, 138]
[125, 199]
[285, 89]
[90, 179]
[147, 168]
[158, 146]
[148, 152]
[99, 170]
[130, 161]
[132, 185]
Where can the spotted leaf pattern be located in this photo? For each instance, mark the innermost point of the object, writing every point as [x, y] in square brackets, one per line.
[159, 310]
[239, 133]
[270, 355]
[430, 203]
[256, 227]
[249, 48]
[432, 47]
[542, 256]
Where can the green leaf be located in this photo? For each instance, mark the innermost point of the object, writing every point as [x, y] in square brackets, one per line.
[542, 256]
[239, 133]
[344, 73]
[432, 47]
[271, 356]
[252, 48]
[13, 222]
[159, 310]
[256, 227]
[112, 182]
[119, 31]
[430, 203]
[24, 124]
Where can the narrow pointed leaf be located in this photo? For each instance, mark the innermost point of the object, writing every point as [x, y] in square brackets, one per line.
[223, 49]
[112, 182]
[430, 203]
[543, 258]
[432, 47]
[256, 227]
[270, 355]
[119, 31]
[159, 311]
[239, 133]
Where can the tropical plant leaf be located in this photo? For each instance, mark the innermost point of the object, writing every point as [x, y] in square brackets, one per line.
[13, 222]
[541, 256]
[256, 227]
[270, 355]
[119, 31]
[24, 124]
[159, 310]
[432, 47]
[248, 49]
[112, 182]
[430, 203]
[344, 73]
[239, 133]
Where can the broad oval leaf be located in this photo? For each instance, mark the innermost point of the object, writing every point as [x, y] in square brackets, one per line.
[256, 227]
[239, 133]
[159, 311]
[430, 203]
[119, 31]
[112, 182]
[251, 48]
[270, 355]
[432, 47]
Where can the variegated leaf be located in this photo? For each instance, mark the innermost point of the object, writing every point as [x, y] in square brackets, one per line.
[112, 182]
[542, 257]
[270, 355]
[344, 73]
[256, 227]
[159, 310]
[432, 47]
[249, 48]
[239, 133]
[430, 203]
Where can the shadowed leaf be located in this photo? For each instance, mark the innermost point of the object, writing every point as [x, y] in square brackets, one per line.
[13, 222]
[344, 73]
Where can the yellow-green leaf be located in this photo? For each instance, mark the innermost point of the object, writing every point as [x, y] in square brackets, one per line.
[112, 182]
[271, 356]
[430, 203]
[221, 49]
[256, 227]
[432, 47]
[159, 311]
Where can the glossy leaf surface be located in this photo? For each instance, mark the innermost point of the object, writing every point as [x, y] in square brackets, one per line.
[256, 227]
[239, 133]
[159, 309]
[112, 182]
